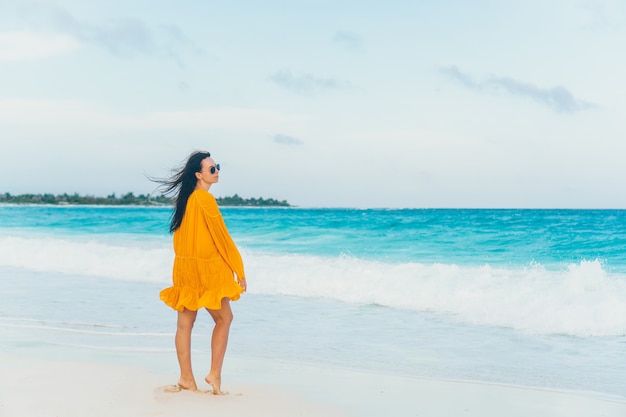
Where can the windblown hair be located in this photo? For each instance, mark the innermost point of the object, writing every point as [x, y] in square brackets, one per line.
[182, 183]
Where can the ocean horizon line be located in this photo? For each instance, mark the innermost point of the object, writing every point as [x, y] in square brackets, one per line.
[329, 207]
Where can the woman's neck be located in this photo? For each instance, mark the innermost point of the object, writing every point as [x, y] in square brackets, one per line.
[201, 185]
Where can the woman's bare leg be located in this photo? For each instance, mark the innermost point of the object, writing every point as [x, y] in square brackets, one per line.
[223, 318]
[186, 319]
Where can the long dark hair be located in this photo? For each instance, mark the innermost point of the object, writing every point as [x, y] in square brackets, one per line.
[182, 182]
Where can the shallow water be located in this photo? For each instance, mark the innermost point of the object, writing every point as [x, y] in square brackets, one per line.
[523, 297]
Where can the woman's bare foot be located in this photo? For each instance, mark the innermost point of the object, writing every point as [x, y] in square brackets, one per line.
[188, 384]
[215, 383]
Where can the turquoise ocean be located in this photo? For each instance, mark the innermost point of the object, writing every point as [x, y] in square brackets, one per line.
[533, 298]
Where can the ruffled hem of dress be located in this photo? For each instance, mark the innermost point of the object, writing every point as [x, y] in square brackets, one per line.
[194, 299]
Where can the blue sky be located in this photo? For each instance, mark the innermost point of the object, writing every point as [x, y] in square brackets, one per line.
[322, 103]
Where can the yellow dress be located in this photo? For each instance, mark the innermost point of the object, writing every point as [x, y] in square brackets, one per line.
[205, 258]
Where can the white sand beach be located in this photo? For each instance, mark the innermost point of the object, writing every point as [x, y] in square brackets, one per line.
[259, 387]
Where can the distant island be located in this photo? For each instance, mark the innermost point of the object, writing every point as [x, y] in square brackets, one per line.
[130, 199]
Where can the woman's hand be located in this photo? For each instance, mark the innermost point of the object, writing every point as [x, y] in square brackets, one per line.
[243, 284]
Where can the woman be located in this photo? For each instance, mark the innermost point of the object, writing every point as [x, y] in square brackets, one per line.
[206, 264]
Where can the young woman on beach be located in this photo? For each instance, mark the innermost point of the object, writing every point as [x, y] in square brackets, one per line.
[206, 265]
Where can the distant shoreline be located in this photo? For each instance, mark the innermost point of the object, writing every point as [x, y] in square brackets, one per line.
[129, 199]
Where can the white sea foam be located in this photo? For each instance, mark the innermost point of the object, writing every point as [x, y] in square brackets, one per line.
[582, 299]
[83, 331]
[132, 261]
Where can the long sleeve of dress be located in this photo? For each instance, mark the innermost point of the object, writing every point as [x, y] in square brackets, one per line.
[224, 243]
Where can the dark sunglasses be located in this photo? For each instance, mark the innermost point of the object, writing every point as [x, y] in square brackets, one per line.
[214, 168]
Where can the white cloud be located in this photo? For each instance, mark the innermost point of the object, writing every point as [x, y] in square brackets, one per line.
[307, 83]
[604, 13]
[558, 97]
[48, 112]
[121, 36]
[348, 40]
[74, 113]
[286, 139]
[231, 118]
[22, 46]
